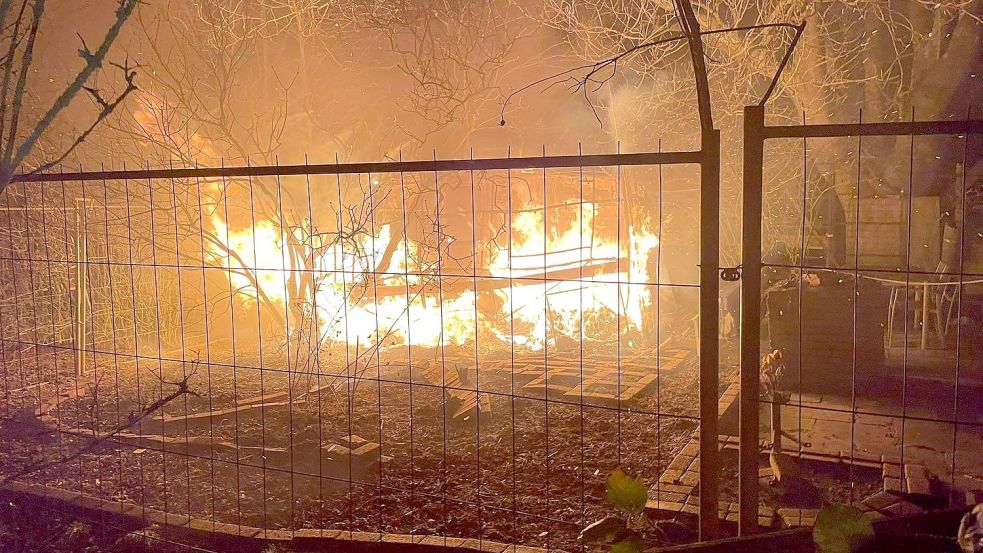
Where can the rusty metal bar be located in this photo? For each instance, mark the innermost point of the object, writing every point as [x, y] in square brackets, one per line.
[781, 66]
[541, 162]
[901, 128]
[750, 319]
[709, 332]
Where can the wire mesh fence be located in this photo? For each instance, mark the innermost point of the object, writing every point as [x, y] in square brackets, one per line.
[462, 349]
[465, 349]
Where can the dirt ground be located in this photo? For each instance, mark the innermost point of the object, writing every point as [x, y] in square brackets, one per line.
[530, 471]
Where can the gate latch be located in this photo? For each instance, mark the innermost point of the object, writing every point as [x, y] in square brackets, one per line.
[730, 274]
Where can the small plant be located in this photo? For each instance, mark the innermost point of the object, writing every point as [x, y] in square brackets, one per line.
[842, 529]
[772, 371]
[627, 494]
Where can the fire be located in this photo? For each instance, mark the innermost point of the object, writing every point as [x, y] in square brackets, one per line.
[251, 255]
[537, 282]
[343, 300]
[567, 304]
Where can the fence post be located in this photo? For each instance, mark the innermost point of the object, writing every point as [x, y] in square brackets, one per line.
[81, 287]
[709, 331]
[750, 319]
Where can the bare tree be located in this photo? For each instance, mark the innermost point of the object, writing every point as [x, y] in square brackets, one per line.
[20, 27]
[887, 58]
[194, 109]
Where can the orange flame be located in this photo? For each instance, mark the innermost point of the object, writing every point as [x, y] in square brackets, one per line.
[537, 301]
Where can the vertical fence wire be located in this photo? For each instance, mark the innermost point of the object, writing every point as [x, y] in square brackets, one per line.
[208, 349]
[959, 291]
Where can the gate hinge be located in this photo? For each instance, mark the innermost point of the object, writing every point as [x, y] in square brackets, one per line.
[730, 274]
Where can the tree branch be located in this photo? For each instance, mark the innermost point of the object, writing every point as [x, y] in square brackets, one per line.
[107, 108]
[594, 69]
[93, 62]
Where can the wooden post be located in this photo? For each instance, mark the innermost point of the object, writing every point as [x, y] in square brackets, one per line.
[81, 288]
[776, 426]
[750, 320]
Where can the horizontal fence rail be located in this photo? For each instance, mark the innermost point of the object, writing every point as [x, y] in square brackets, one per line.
[533, 162]
[898, 128]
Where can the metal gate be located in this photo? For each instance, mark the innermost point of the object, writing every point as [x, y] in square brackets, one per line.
[827, 266]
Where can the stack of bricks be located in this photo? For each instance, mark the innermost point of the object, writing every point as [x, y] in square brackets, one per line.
[363, 454]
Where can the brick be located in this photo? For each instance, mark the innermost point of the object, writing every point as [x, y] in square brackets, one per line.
[892, 470]
[249, 531]
[690, 478]
[495, 547]
[917, 480]
[226, 528]
[278, 535]
[681, 462]
[370, 537]
[892, 485]
[671, 476]
[671, 506]
[675, 488]
[879, 501]
[892, 460]
[174, 519]
[366, 449]
[399, 538]
[798, 517]
[671, 496]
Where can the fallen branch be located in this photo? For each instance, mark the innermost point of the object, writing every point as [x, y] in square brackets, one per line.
[182, 388]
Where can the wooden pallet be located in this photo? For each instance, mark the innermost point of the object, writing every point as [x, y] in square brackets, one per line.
[593, 383]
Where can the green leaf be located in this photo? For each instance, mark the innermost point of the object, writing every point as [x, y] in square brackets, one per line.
[631, 544]
[606, 530]
[626, 493]
[841, 529]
